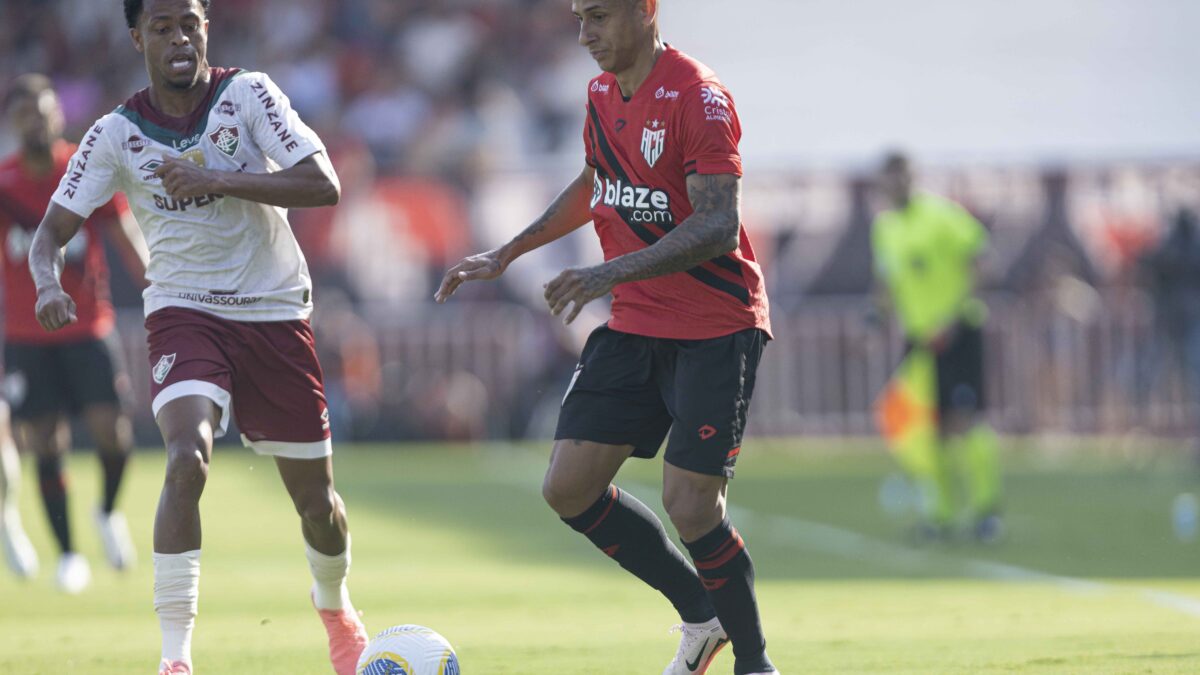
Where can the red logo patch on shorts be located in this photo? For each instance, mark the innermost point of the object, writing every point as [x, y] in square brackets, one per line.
[706, 432]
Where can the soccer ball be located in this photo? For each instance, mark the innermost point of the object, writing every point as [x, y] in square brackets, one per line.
[408, 650]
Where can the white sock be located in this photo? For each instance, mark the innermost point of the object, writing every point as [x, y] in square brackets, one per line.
[176, 594]
[329, 577]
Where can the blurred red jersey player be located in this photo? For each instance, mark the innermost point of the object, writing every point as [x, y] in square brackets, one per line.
[77, 371]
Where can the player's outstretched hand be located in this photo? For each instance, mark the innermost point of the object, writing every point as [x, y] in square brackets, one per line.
[55, 309]
[578, 286]
[479, 267]
[183, 179]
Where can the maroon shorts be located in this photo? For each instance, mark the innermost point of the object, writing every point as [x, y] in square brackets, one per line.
[266, 373]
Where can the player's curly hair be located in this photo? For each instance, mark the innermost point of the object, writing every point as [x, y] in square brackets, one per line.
[133, 11]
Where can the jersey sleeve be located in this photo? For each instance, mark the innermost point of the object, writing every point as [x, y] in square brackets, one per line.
[115, 208]
[710, 131]
[92, 176]
[274, 125]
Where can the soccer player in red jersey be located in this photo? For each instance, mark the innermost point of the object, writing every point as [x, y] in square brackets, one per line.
[210, 160]
[52, 376]
[677, 360]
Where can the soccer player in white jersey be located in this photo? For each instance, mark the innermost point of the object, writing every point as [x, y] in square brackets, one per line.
[210, 159]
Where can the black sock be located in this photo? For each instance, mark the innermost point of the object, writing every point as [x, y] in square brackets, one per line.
[114, 470]
[728, 575]
[629, 533]
[54, 495]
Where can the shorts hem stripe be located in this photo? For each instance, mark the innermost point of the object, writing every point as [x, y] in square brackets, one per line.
[289, 450]
[196, 388]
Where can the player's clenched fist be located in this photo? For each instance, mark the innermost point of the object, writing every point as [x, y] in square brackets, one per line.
[55, 308]
[580, 286]
[183, 179]
[479, 267]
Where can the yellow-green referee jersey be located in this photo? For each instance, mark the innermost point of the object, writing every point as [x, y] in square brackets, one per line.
[925, 254]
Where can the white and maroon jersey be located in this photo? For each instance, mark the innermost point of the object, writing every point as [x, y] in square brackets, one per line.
[226, 256]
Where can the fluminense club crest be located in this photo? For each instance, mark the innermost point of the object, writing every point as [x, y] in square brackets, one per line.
[654, 137]
[163, 367]
[227, 139]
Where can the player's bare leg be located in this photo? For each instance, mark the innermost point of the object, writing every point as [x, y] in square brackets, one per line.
[112, 432]
[327, 539]
[18, 551]
[695, 503]
[579, 474]
[187, 426]
[578, 486]
[48, 437]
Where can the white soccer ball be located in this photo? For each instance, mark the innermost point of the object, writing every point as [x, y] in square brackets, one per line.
[408, 650]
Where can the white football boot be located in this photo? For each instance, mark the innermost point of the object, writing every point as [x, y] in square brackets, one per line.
[698, 646]
[114, 534]
[18, 551]
[74, 573]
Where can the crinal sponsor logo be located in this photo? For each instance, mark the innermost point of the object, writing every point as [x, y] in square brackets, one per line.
[227, 108]
[654, 138]
[639, 203]
[598, 87]
[136, 143]
[716, 104]
[227, 139]
[669, 94]
[163, 367]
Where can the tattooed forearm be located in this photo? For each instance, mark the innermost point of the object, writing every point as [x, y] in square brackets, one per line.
[567, 213]
[711, 231]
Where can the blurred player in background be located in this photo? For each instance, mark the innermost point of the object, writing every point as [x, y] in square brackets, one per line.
[925, 249]
[76, 371]
[210, 159]
[662, 183]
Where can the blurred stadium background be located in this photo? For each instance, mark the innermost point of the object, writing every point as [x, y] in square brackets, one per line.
[1069, 128]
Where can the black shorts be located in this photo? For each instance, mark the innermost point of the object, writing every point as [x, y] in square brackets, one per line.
[634, 390]
[959, 369]
[61, 378]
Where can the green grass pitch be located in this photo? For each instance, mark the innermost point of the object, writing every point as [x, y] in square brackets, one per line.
[1090, 580]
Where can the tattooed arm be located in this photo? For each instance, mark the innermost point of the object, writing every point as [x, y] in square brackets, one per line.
[711, 231]
[567, 213]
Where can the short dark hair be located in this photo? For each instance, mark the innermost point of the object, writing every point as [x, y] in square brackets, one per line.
[895, 160]
[133, 11]
[29, 85]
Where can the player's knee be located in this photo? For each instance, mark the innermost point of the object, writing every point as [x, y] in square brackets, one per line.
[565, 497]
[187, 468]
[317, 506]
[694, 513]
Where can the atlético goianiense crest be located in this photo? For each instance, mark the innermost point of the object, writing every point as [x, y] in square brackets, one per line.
[654, 137]
[227, 139]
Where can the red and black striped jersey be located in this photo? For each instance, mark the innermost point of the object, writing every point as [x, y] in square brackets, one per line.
[680, 121]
